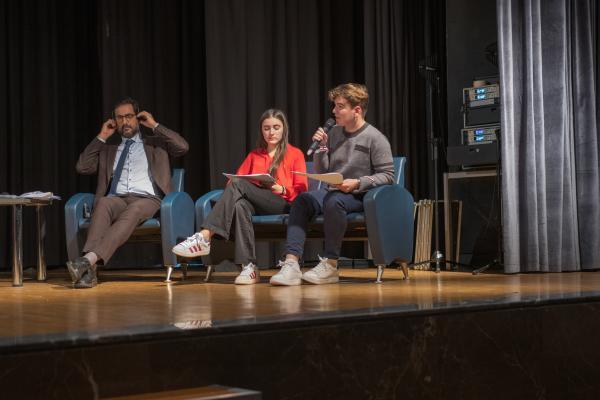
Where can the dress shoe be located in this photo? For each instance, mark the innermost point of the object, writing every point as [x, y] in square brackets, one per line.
[78, 268]
[89, 279]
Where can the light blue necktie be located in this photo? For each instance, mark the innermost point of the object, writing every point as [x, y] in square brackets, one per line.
[119, 169]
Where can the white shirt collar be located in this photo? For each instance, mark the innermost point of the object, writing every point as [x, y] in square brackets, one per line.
[136, 138]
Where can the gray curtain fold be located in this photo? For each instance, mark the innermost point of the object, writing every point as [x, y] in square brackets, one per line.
[550, 153]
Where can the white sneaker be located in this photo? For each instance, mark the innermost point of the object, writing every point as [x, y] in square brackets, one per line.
[194, 246]
[322, 273]
[288, 275]
[248, 276]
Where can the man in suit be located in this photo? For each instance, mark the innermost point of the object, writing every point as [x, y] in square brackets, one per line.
[133, 175]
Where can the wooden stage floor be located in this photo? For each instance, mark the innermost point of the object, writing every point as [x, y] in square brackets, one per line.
[139, 302]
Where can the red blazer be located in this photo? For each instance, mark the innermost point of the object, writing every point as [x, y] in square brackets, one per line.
[258, 162]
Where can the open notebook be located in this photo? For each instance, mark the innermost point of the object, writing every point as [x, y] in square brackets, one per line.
[262, 178]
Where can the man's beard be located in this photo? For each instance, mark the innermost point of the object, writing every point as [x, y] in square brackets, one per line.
[129, 133]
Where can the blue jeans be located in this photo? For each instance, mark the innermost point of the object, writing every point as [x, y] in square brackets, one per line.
[334, 205]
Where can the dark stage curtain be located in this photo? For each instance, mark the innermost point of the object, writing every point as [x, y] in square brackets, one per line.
[398, 36]
[154, 51]
[64, 65]
[206, 69]
[49, 107]
[270, 53]
[550, 142]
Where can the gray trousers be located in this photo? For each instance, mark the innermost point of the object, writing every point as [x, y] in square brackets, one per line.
[114, 220]
[233, 213]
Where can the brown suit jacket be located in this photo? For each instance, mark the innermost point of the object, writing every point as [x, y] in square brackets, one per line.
[100, 157]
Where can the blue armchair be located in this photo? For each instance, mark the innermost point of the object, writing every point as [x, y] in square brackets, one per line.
[174, 222]
[386, 223]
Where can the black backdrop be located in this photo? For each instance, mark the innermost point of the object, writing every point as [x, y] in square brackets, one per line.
[206, 69]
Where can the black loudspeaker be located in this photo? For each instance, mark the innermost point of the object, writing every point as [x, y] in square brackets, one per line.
[481, 116]
[474, 155]
[480, 226]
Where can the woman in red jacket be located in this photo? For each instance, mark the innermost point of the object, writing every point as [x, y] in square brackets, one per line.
[242, 199]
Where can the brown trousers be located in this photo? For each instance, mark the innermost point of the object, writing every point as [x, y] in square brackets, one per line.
[114, 220]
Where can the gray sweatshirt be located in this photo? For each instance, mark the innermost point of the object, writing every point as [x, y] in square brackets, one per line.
[365, 155]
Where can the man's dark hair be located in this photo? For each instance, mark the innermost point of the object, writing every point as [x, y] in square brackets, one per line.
[128, 100]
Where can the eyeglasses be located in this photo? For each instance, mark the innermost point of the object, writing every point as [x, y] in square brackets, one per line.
[127, 117]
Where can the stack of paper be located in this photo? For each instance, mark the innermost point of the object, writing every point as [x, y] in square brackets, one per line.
[333, 178]
[40, 195]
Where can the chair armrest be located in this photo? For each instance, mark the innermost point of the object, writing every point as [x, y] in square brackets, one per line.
[74, 214]
[176, 222]
[390, 224]
[204, 205]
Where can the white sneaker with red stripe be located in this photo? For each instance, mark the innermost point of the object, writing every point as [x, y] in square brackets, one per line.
[248, 276]
[194, 246]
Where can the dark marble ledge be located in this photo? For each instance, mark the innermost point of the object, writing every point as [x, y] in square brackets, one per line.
[189, 329]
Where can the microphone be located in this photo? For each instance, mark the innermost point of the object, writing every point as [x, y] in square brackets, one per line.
[427, 68]
[328, 125]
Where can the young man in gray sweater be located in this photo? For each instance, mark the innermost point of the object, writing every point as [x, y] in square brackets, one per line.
[363, 156]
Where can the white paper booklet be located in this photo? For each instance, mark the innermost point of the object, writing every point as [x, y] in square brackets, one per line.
[262, 178]
[333, 178]
[40, 195]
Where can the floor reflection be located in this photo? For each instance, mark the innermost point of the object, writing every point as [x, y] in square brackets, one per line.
[134, 300]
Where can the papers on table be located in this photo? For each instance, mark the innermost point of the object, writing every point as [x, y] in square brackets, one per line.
[40, 195]
[37, 195]
[262, 178]
[333, 178]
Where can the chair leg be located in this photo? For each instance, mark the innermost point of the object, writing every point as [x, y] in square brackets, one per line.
[209, 271]
[404, 266]
[184, 271]
[380, 269]
[169, 272]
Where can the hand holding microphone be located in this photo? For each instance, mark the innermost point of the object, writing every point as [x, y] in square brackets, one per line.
[320, 134]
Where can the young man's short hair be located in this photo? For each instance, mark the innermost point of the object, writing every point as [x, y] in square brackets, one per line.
[356, 94]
